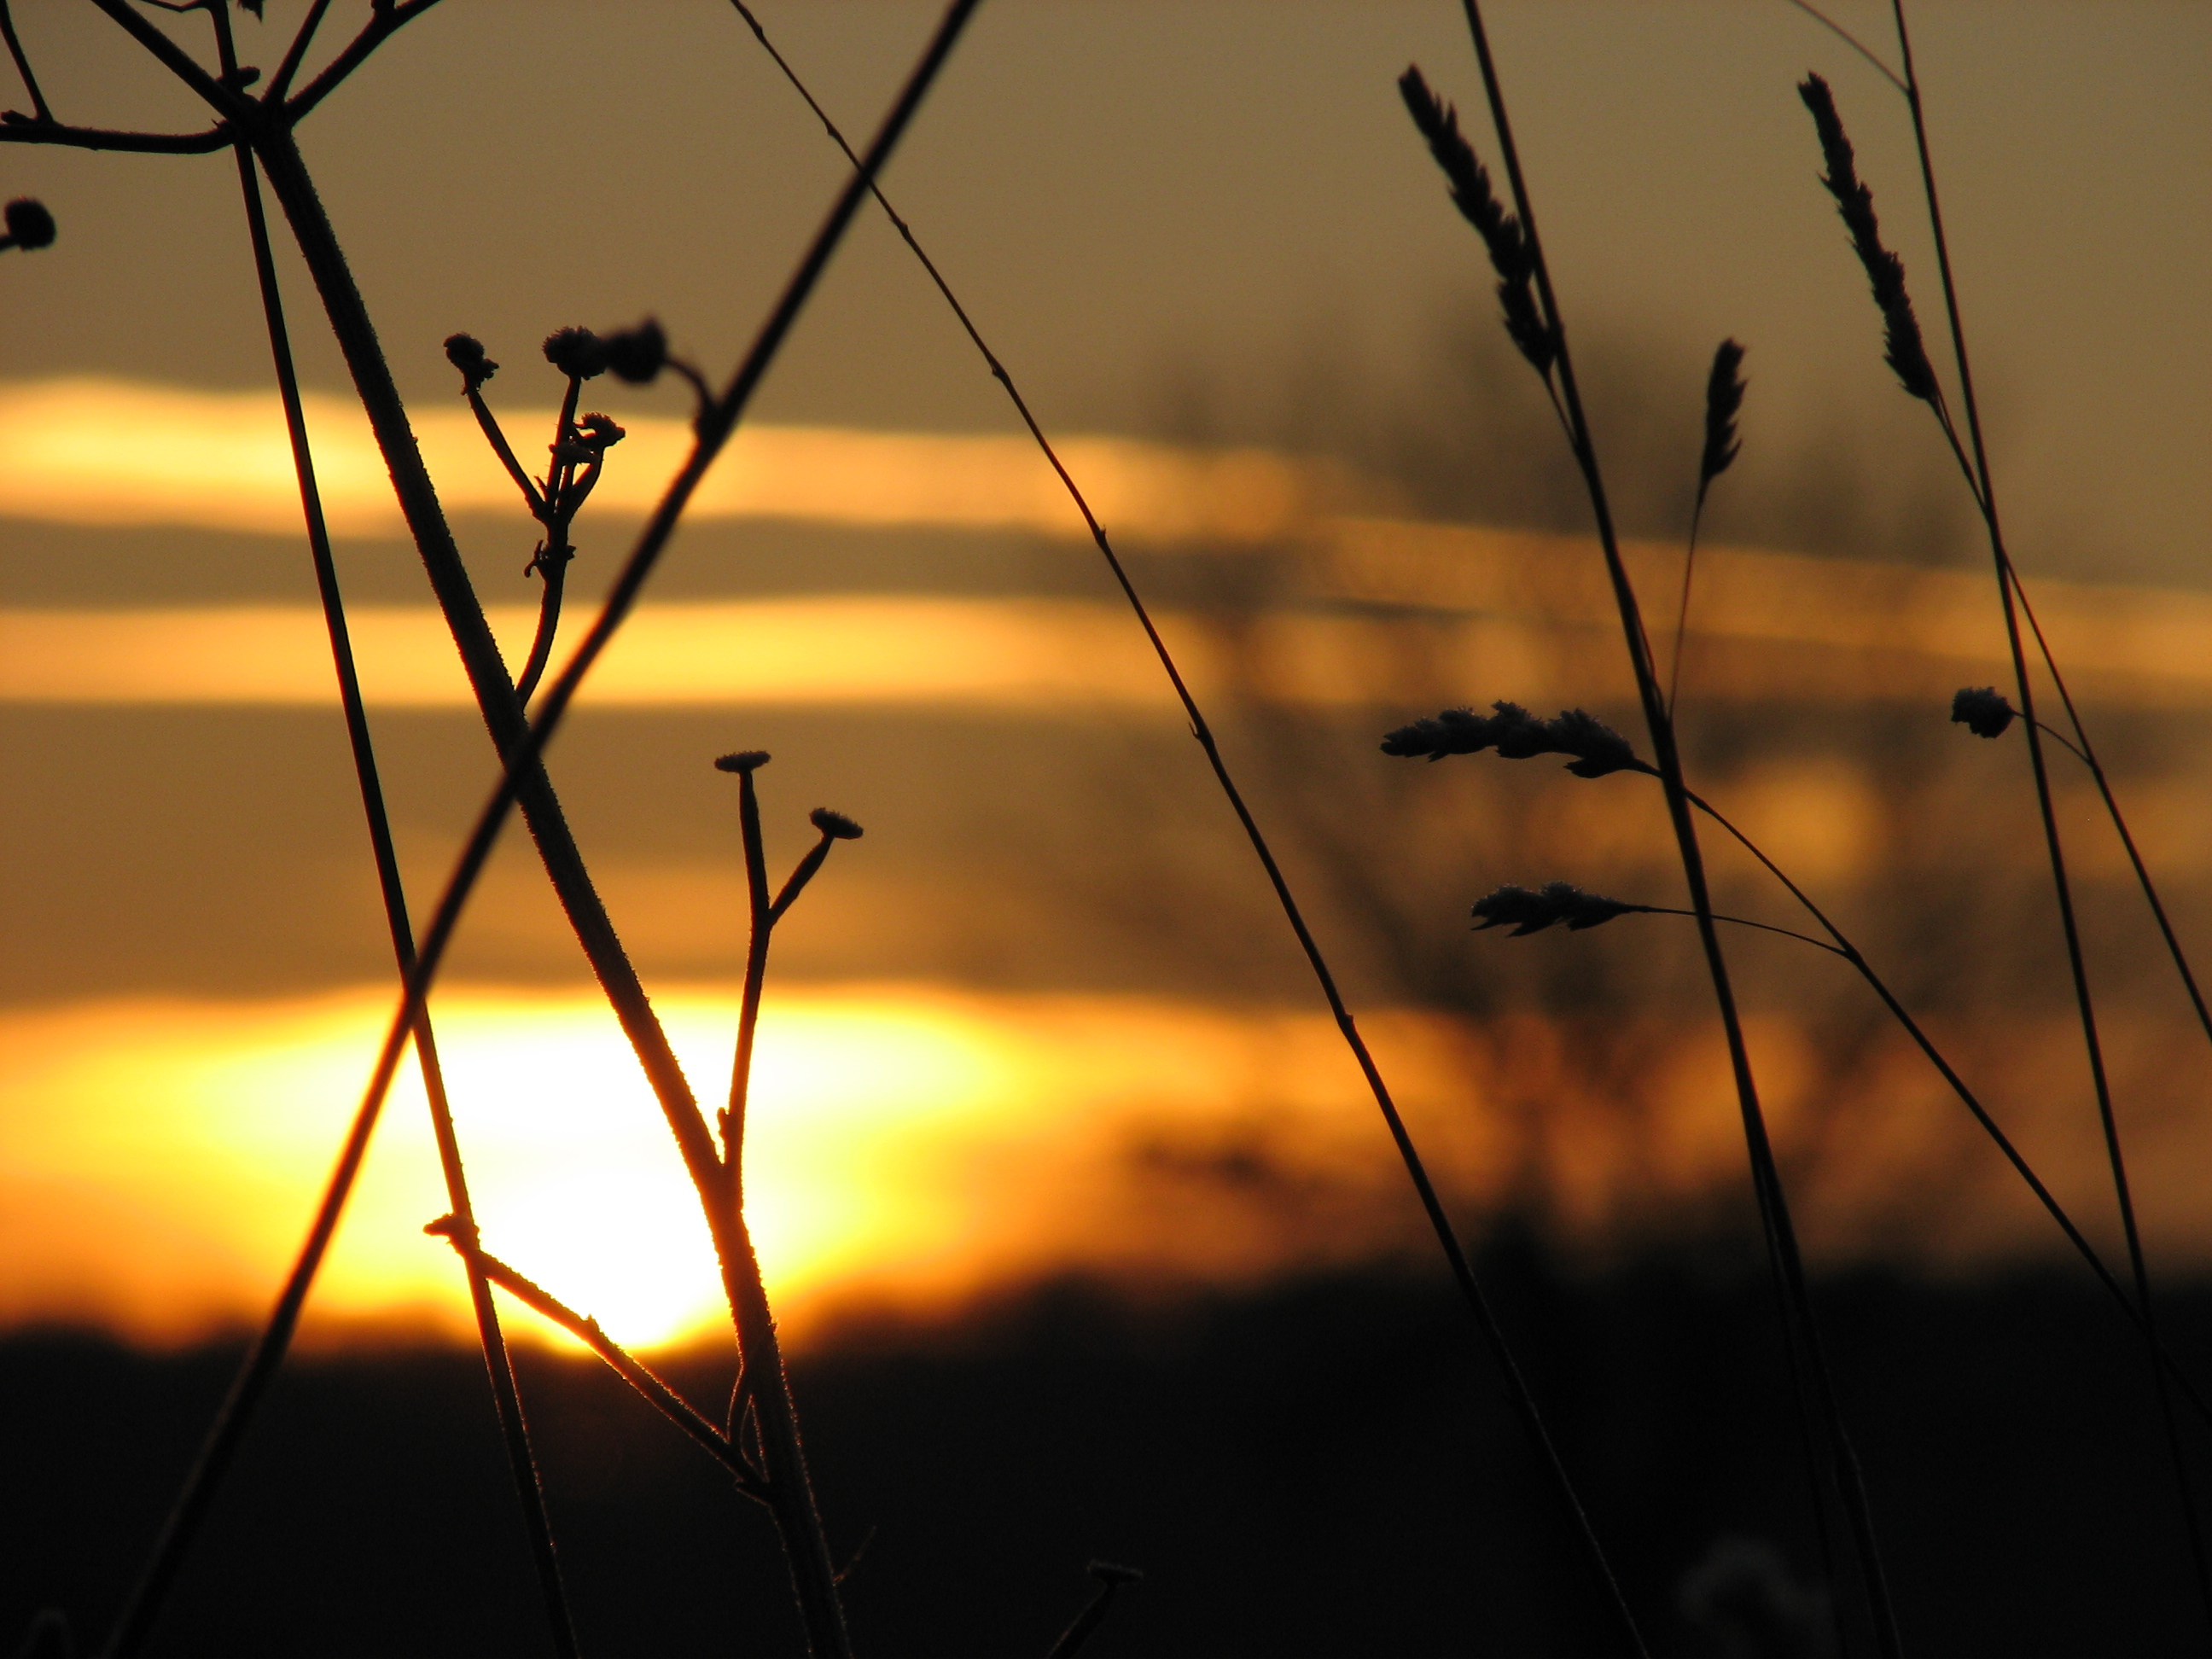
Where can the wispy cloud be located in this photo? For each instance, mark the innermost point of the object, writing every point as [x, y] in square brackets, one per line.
[104, 452]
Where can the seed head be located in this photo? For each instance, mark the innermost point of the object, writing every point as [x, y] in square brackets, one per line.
[1511, 254]
[1516, 734]
[1598, 749]
[835, 825]
[637, 354]
[746, 760]
[1455, 732]
[1113, 1573]
[1982, 710]
[1723, 398]
[29, 225]
[1903, 349]
[465, 352]
[576, 352]
[1531, 912]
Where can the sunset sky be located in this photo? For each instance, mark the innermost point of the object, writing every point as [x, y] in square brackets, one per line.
[1204, 239]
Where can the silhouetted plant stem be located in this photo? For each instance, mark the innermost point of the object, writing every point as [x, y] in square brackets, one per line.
[262, 1362]
[521, 767]
[1766, 1180]
[23, 65]
[806, 1552]
[1432, 1207]
[1845, 948]
[498, 1363]
[479, 651]
[1985, 496]
[760, 909]
[1111, 1578]
[640, 1376]
[2089, 758]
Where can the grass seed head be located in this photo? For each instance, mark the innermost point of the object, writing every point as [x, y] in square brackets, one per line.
[835, 825]
[1531, 911]
[1903, 349]
[1723, 399]
[1983, 710]
[1512, 255]
[744, 760]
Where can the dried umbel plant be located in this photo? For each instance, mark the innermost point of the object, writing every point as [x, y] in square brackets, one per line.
[255, 119]
[576, 455]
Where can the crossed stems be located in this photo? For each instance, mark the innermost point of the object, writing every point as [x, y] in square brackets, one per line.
[2012, 600]
[265, 125]
[1842, 946]
[1538, 327]
[760, 1357]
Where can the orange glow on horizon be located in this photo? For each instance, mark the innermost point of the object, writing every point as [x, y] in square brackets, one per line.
[917, 1146]
[162, 1157]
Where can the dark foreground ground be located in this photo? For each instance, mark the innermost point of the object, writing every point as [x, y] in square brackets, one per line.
[1328, 1468]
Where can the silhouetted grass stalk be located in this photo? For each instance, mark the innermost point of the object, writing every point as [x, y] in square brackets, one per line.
[1981, 486]
[1767, 1180]
[1598, 751]
[1471, 1292]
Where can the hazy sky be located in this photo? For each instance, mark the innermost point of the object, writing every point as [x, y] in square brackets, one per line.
[1140, 197]
[1171, 218]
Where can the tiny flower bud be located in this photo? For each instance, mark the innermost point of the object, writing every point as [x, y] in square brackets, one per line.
[465, 352]
[600, 432]
[29, 224]
[1982, 711]
[835, 825]
[576, 352]
[637, 354]
[746, 760]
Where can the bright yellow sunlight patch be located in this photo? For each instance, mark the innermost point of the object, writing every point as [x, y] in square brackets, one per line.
[162, 1157]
